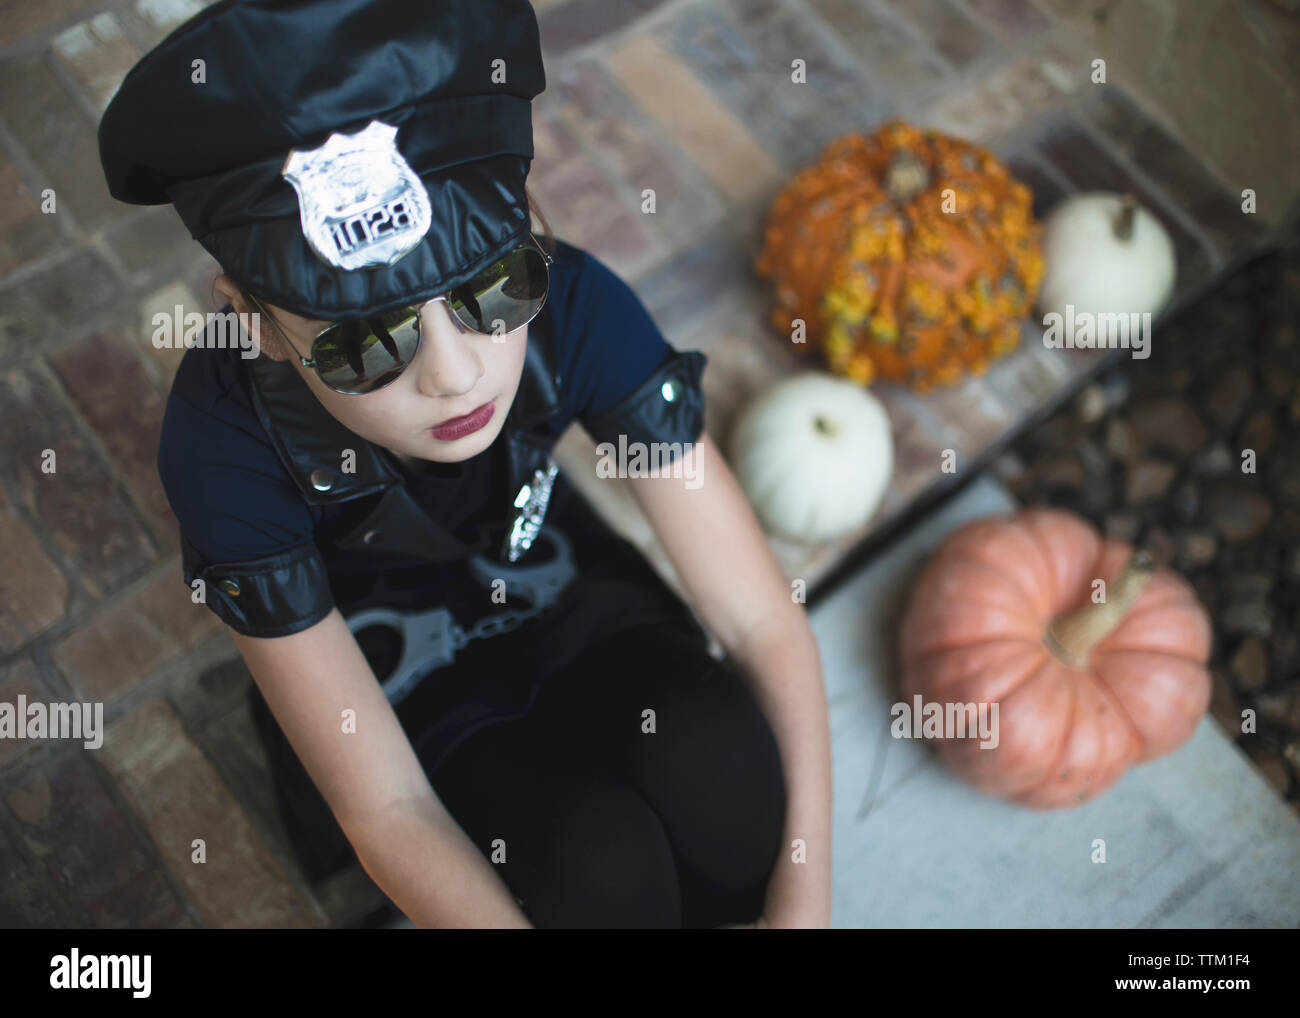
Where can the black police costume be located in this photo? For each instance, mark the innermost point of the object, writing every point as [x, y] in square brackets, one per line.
[282, 78]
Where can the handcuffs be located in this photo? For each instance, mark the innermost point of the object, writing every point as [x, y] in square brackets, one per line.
[431, 638]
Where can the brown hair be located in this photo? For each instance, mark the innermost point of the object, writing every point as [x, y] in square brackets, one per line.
[547, 238]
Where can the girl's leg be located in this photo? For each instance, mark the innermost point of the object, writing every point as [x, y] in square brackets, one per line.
[581, 849]
[710, 770]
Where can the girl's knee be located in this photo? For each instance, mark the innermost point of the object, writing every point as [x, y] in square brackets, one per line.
[729, 744]
[603, 861]
[748, 781]
[712, 769]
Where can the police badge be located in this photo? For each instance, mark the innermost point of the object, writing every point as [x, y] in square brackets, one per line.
[531, 503]
[361, 204]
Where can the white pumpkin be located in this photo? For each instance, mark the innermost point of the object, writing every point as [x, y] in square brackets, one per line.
[814, 454]
[1105, 254]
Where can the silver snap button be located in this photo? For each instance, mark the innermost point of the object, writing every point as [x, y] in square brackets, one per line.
[370, 536]
[230, 587]
[322, 480]
[669, 390]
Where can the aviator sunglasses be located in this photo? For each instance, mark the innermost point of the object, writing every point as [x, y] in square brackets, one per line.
[361, 355]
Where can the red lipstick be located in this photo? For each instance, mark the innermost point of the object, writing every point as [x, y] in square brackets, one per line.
[459, 427]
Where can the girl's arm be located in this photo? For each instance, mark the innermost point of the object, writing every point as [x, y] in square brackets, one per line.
[718, 548]
[404, 837]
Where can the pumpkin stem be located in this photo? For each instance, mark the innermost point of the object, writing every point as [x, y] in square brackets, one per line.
[1072, 636]
[1124, 221]
[906, 177]
[823, 426]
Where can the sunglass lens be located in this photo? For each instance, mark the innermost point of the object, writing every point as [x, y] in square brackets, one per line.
[505, 296]
[364, 355]
[360, 356]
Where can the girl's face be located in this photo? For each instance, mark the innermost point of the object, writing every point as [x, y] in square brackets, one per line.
[453, 374]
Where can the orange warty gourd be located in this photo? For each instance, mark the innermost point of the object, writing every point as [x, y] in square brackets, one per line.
[1004, 613]
[910, 256]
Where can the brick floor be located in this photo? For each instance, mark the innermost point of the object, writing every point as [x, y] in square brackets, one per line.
[108, 384]
[947, 29]
[33, 592]
[20, 678]
[26, 232]
[85, 842]
[97, 54]
[693, 100]
[65, 484]
[55, 133]
[201, 832]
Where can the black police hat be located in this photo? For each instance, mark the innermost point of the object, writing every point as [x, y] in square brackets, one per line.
[337, 157]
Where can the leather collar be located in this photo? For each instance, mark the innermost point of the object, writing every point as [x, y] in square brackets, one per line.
[311, 443]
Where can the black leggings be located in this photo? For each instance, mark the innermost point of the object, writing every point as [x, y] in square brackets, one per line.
[607, 825]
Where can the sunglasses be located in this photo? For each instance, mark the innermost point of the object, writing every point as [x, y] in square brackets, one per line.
[361, 355]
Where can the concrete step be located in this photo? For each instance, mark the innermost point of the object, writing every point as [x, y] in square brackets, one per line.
[1195, 839]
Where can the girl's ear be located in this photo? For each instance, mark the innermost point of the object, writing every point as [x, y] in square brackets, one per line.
[265, 333]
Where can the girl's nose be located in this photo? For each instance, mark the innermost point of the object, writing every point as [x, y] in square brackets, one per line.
[447, 363]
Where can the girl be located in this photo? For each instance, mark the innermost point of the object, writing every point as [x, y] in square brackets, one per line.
[463, 677]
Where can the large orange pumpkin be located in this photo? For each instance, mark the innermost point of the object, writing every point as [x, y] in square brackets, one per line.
[908, 255]
[1005, 612]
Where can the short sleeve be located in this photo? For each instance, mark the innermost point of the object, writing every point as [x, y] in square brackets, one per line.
[229, 491]
[622, 377]
[244, 529]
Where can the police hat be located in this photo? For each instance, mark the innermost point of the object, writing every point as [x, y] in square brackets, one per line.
[337, 157]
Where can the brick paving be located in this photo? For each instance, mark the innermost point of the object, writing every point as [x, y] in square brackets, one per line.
[693, 99]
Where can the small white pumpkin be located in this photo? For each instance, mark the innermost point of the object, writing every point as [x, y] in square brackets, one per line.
[814, 454]
[1105, 254]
